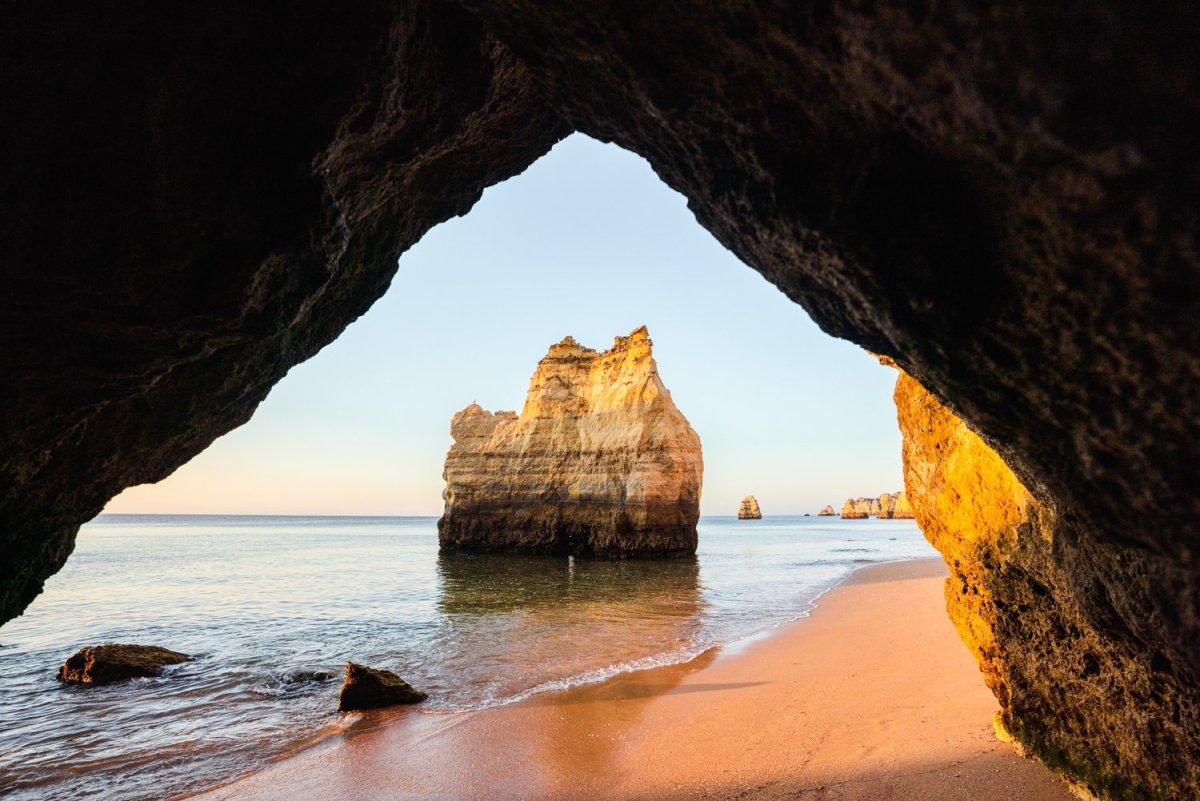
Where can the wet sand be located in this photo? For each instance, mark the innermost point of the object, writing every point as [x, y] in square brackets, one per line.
[872, 697]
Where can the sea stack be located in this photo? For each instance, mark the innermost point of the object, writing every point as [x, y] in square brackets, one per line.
[888, 506]
[599, 463]
[827, 511]
[860, 508]
[748, 510]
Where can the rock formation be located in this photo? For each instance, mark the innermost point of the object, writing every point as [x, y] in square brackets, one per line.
[827, 511]
[1080, 686]
[112, 662]
[371, 688]
[600, 462]
[901, 508]
[894, 505]
[202, 197]
[887, 506]
[860, 508]
[748, 509]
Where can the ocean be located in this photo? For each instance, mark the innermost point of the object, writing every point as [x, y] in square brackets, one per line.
[259, 601]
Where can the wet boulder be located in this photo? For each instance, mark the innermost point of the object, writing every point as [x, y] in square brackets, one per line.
[112, 662]
[369, 688]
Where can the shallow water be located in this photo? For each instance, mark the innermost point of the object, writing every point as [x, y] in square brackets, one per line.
[258, 599]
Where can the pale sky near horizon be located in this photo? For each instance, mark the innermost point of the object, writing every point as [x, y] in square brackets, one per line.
[586, 242]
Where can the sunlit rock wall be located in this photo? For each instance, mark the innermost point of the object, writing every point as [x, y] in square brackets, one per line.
[600, 462]
[1078, 687]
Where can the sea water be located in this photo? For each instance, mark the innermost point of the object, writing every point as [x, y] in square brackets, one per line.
[259, 601]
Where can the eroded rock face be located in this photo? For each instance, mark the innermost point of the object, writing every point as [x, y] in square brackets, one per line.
[748, 509]
[826, 511]
[113, 662]
[1077, 684]
[1001, 198]
[600, 462]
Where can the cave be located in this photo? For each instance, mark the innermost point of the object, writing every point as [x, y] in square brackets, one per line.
[1002, 201]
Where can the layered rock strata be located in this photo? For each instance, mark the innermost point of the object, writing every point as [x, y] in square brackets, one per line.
[600, 462]
[748, 509]
[1080, 685]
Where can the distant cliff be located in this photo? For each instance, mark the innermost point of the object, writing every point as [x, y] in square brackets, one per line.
[600, 462]
[860, 508]
[886, 506]
[748, 509]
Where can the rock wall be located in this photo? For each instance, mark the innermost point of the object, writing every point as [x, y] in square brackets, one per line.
[600, 462]
[748, 509]
[1078, 685]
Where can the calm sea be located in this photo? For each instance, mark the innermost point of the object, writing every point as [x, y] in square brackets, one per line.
[259, 600]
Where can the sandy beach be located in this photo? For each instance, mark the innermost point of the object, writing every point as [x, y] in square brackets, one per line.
[872, 697]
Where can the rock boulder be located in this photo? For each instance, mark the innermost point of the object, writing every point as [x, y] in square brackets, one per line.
[370, 688]
[112, 662]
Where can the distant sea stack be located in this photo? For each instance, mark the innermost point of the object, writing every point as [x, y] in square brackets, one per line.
[827, 511]
[599, 463]
[889, 505]
[859, 508]
[748, 510]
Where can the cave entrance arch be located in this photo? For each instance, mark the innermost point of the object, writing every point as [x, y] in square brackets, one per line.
[589, 243]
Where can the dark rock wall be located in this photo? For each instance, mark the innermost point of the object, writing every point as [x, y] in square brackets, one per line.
[1003, 199]
[198, 202]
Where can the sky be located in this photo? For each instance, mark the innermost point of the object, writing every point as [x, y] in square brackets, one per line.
[586, 242]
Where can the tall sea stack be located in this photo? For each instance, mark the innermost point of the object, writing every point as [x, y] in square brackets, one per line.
[600, 462]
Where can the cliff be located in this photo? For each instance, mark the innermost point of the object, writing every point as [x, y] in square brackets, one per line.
[1078, 685]
[902, 508]
[748, 509]
[600, 462]
[887, 506]
[860, 508]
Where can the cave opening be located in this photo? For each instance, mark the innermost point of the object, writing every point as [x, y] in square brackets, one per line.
[588, 243]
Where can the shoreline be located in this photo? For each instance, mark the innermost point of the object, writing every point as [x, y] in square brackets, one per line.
[855, 701]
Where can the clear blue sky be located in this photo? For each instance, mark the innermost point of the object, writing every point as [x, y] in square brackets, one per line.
[587, 242]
